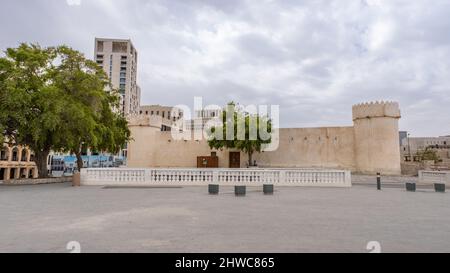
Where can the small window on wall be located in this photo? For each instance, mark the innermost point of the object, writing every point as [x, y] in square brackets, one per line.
[100, 46]
[120, 47]
[213, 154]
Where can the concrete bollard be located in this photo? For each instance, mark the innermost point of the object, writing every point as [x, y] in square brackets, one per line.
[411, 187]
[268, 189]
[379, 181]
[240, 190]
[213, 189]
[439, 187]
[76, 180]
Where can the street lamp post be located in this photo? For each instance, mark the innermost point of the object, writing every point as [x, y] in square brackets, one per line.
[409, 146]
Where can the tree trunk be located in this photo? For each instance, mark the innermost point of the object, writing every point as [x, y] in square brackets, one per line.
[80, 164]
[41, 158]
[250, 159]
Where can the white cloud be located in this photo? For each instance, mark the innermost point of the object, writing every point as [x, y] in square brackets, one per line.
[380, 34]
[73, 2]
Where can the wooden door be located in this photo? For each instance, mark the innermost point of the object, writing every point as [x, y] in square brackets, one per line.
[207, 162]
[235, 160]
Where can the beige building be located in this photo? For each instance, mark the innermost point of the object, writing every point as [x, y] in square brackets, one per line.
[412, 145]
[371, 145]
[119, 59]
[202, 119]
[169, 117]
[16, 163]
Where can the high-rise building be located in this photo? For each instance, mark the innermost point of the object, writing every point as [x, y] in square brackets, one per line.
[119, 58]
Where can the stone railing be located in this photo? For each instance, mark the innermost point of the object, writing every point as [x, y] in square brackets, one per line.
[226, 177]
[434, 177]
[42, 181]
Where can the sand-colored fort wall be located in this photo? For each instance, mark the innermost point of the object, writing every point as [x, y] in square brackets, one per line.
[370, 146]
[312, 148]
[152, 148]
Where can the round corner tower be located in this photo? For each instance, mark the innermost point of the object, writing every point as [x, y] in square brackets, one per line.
[376, 131]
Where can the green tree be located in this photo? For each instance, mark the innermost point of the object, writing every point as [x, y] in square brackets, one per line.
[428, 155]
[30, 104]
[241, 130]
[89, 119]
[53, 99]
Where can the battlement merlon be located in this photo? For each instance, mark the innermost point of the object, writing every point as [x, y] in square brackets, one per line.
[376, 110]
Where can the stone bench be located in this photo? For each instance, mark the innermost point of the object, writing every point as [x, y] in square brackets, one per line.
[213, 189]
[438, 187]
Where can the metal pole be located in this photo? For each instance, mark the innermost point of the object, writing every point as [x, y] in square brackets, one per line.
[409, 146]
[379, 181]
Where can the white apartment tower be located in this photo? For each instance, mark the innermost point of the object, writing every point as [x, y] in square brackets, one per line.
[118, 58]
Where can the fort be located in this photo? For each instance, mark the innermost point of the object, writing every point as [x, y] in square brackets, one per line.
[370, 146]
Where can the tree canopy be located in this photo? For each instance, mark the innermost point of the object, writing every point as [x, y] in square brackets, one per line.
[428, 155]
[241, 130]
[54, 99]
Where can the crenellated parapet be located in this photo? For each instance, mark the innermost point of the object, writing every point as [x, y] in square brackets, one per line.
[138, 120]
[376, 109]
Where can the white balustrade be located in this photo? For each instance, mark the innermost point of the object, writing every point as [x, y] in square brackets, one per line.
[434, 177]
[230, 177]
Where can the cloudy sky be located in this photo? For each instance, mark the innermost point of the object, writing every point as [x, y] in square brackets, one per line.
[313, 58]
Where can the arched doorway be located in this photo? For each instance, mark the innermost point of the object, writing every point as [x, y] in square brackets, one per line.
[12, 173]
[2, 173]
[24, 156]
[4, 153]
[15, 154]
[23, 173]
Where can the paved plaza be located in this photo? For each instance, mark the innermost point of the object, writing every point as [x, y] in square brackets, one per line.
[45, 218]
